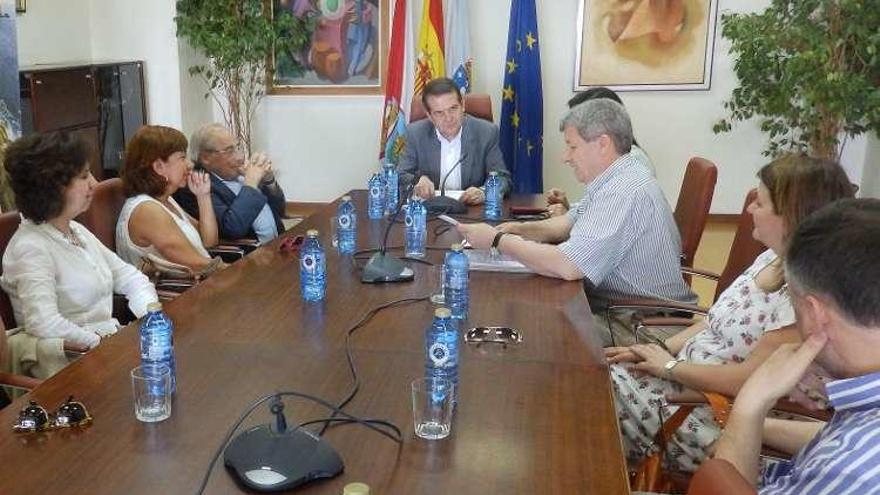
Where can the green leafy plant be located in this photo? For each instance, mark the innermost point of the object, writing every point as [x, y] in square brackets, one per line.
[238, 38]
[809, 69]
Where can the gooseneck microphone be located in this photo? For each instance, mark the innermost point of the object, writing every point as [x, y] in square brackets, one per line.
[383, 267]
[442, 204]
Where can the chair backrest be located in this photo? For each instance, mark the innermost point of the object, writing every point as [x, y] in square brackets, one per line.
[478, 104]
[100, 218]
[743, 250]
[719, 477]
[692, 208]
[9, 223]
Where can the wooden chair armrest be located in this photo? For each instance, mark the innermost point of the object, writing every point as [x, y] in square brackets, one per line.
[19, 381]
[666, 321]
[245, 244]
[793, 408]
[229, 254]
[657, 304]
[689, 270]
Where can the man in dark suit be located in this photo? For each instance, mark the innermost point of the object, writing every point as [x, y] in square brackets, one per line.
[248, 202]
[434, 147]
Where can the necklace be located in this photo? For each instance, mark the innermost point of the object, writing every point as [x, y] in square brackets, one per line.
[71, 237]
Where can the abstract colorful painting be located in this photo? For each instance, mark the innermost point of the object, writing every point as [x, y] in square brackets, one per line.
[632, 45]
[346, 49]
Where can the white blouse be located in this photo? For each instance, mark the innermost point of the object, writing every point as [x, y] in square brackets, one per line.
[131, 252]
[59, 289]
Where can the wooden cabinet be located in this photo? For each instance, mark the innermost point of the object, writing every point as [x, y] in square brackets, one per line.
[102, 102]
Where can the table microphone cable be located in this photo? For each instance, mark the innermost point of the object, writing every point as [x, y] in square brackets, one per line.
[392, 432]
[356, 385]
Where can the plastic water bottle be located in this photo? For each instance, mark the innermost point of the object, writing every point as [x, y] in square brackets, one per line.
[346, 226]
[456, 290]
[441, 349]
[391, 192]
[312, 268]
[493, 197]
[416, 227]
[157, 340]
[376, 204]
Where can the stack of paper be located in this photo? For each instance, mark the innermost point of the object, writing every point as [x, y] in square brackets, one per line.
[482, 260]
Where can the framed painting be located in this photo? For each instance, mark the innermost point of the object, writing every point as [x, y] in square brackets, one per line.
[21, 6]
[345, 52]
[638, 45]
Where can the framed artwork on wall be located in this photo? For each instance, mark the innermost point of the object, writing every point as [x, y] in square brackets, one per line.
[638, 45]
[20, 5]
[345, 53]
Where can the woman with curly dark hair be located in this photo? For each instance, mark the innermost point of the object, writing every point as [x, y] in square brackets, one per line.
[59, 277]
[152, 227]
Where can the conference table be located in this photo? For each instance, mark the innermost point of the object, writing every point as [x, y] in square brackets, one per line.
[532, 418]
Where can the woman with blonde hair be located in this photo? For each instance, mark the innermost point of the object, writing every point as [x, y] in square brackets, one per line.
[750, 319]
[152, 227]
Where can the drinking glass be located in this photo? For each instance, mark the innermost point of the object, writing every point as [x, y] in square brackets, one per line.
[437, 278]
[151, 385]
[432, 407]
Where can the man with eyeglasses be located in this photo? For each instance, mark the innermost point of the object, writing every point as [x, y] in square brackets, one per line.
[435, 146]
[248, 202]
[621, 240]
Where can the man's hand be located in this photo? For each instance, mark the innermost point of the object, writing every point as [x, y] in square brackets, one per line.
[480, 235]
[556, 197]
[424, 188]
[780, 373]
[199, 183]
[556, 210]
[473, 196]
[256, 169]
[654, 358]
[621, 355]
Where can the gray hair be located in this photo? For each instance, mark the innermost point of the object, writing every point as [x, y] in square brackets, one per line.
[593, 118]
[203, 139]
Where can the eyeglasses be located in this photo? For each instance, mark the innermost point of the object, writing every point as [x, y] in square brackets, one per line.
[34, 417]
[236, 148]
[493, 335]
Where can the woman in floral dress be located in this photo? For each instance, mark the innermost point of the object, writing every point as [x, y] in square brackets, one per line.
[746, 324]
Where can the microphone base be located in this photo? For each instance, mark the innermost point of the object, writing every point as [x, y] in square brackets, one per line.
[383, 268]
[263, 460]
[444, 205]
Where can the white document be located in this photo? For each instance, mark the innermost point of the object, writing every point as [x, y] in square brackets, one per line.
[481, 260]
[450, 193]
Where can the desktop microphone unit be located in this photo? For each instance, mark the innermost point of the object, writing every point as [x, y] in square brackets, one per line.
[440, 205]
[271, 459]
[382, 267]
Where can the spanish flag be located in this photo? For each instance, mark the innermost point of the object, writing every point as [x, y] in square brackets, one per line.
[429, 49]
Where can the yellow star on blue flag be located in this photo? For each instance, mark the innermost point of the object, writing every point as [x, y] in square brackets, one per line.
[522, 107]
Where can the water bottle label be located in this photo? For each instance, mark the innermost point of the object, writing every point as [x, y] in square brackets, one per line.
[309, 263]
[439, 354]
[408, 220]
[344, 221]
[375, 191]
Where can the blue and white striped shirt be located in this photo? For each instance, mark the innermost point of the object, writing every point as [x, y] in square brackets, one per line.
[844, 457]
[624, 238]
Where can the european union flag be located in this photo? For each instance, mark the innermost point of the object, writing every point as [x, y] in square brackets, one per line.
[522, 109]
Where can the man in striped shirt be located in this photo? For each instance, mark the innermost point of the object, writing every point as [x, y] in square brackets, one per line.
[621, 239]
[832, 271]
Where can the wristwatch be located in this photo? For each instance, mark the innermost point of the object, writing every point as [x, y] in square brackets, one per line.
[494, 251]
[670, 365]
